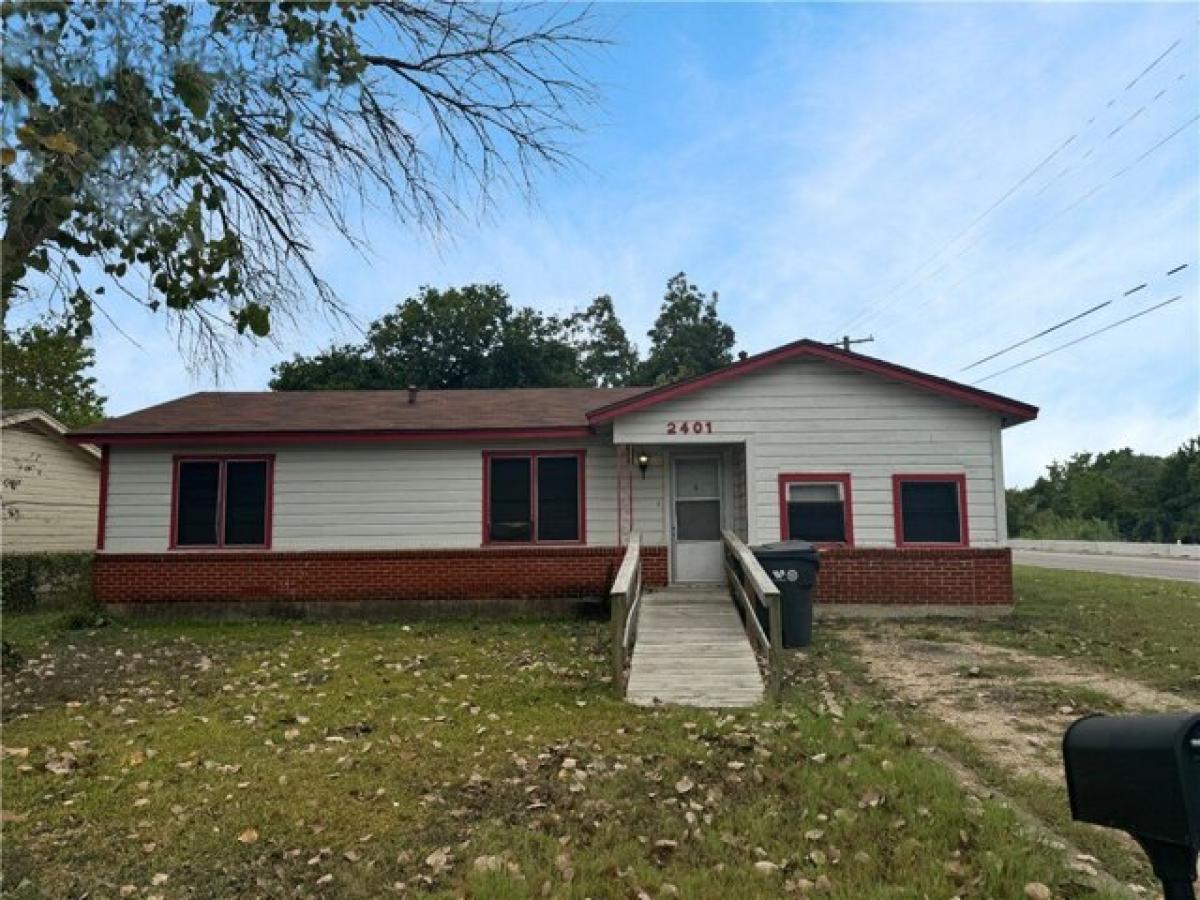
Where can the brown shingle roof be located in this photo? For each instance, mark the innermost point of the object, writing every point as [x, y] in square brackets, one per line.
[239, 416]
[363, 411]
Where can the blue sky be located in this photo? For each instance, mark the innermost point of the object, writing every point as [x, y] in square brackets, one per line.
[819, 165]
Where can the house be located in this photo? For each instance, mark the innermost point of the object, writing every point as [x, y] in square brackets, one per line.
[482, 496]
[49, 487]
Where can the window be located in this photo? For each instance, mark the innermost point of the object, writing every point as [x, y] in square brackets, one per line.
[533, 497]
[222, 502]
[930, 509]
[817, 508]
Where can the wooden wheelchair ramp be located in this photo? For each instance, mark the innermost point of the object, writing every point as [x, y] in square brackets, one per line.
[692, 650]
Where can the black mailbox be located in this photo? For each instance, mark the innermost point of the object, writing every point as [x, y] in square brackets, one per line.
[1141, 774]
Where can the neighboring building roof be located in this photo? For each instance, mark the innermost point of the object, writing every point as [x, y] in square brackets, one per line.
[1011, 411]
[43, 422]
[241, 417]
[525, 412]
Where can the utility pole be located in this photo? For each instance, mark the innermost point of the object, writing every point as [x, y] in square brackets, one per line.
[847, 341]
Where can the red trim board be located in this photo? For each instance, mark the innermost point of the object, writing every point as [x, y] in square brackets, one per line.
[1012, 409]
[102, 506]
[231, 438]
[268, 513]
[842, 478]
[963, 521]
[533, 455]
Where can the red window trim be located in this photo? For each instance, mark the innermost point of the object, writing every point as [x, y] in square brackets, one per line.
[842, 478]
[222, 458]
[533, 455]
[102, 505]
[963, 523]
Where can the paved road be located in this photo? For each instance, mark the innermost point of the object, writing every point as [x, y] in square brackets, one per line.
[1144, 566]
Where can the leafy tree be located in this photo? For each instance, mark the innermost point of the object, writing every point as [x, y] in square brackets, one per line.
[688, 337]
[1177, 491]
[534, 351]
[345, 367]
[1116, 495]
[469, 337]
[606, 356]
[46, 365]
[189, 152]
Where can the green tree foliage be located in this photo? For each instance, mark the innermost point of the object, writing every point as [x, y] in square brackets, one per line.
[187, 151]
[688, 337]
[473, 337]
[469, 337]
[607, 358]
[1177, 490]
[46, 366]
[1118, 495]
[342, 368]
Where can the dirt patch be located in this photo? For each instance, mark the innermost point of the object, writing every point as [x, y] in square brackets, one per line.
[1014, 705]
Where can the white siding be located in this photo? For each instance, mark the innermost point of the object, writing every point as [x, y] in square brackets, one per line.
[50, 491]
[365, 496]
[735, 492]
[814, 416]
[798, 416]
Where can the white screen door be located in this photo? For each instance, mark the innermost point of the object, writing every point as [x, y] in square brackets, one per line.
[696, 518]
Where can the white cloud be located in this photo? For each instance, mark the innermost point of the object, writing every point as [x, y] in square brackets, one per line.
[804, 160]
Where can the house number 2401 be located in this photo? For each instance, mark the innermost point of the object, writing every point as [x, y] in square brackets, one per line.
[696, 427]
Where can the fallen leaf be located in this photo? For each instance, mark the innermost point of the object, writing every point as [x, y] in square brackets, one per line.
[439, 860]
[64, 764]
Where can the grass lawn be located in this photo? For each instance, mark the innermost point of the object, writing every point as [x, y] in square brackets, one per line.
[1147, 629]
[448, 758]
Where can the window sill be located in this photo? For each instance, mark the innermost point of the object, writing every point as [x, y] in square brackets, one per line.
[214, 548]
[503, 544]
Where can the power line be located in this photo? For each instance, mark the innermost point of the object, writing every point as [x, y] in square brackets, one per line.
[1078, 340]
[1030, 233]
[1027, 235]
[869, 312]
[979, 218]
[1063, 323]
[1159, 144]
[1141, 109]
[1146, 70]
[1042, 333]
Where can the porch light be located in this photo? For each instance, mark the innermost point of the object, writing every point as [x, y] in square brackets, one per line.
[643, 461]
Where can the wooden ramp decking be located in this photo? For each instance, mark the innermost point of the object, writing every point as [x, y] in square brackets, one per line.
[692, 650]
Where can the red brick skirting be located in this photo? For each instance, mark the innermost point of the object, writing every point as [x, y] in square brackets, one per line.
[859, 575]
[474, 575]
[906, 576]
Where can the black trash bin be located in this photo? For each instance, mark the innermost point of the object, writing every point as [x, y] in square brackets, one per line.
[792, 566]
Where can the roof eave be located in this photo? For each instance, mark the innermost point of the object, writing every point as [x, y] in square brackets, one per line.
[1012, 412]
[136, 438]
[49, 426]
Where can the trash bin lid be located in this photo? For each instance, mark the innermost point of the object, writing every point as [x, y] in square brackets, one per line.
[794, 546]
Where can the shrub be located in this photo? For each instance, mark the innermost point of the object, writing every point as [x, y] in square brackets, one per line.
[10, 657]
[45, 581]
[83, 619]
[1047, 526]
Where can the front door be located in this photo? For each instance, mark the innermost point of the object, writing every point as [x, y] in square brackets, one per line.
[696, 518]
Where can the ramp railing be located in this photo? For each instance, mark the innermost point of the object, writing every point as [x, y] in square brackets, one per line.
[754, 592]
[625, 601]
